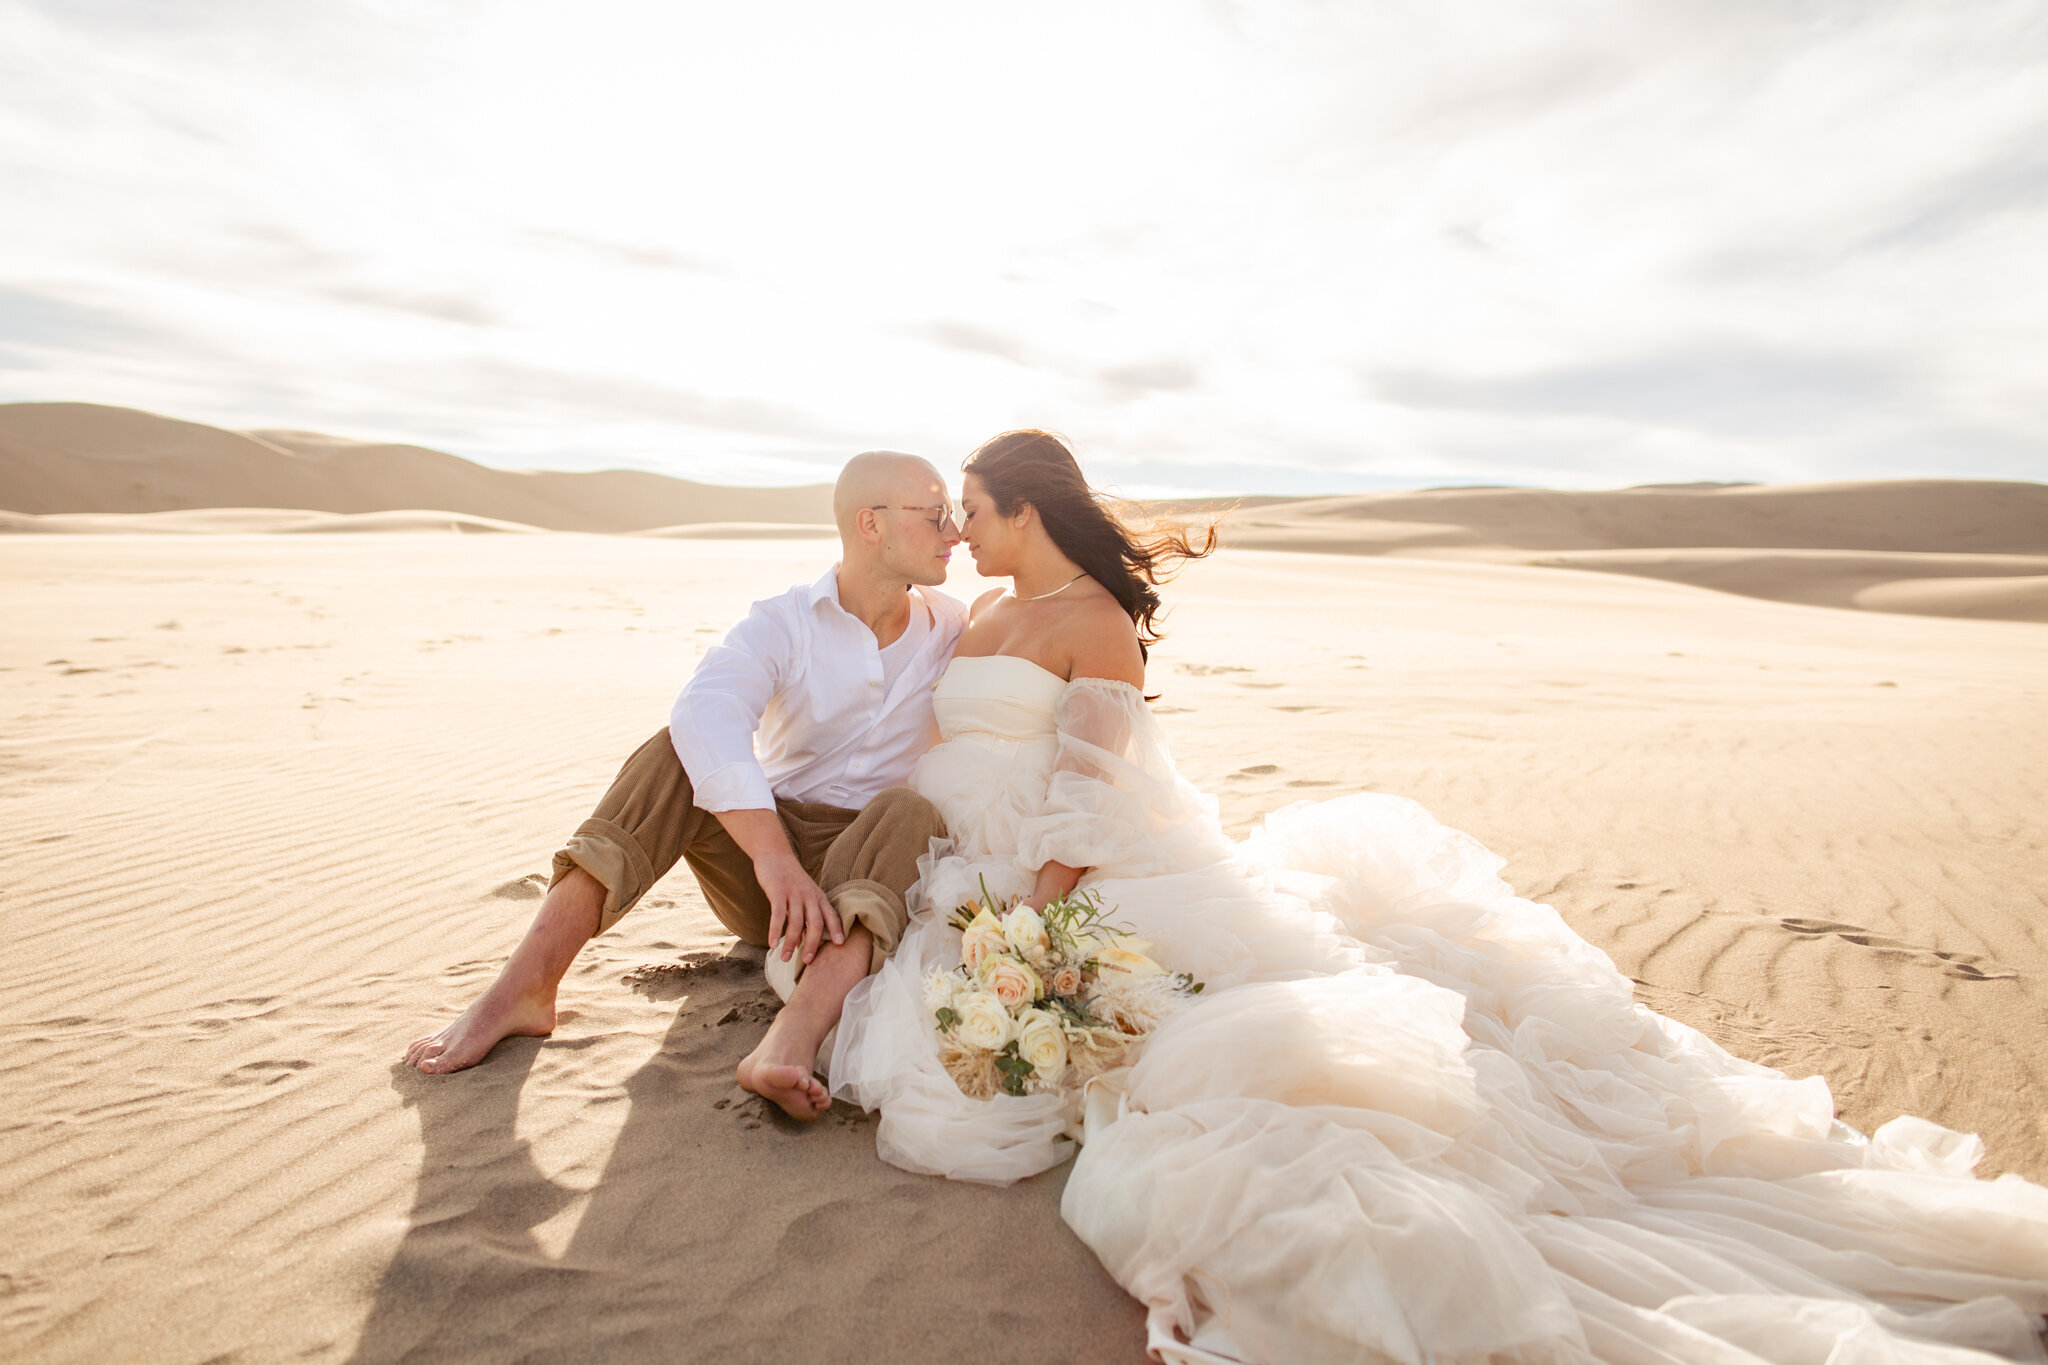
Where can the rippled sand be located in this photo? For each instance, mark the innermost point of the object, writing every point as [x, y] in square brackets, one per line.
[274, 803]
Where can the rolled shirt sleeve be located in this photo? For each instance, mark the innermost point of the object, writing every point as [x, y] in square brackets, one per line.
[713, 722]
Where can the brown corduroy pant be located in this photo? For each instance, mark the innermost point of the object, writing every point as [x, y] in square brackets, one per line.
[865, 860]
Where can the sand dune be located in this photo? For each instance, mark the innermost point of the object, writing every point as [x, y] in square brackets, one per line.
[1928, 516]
[1998, 587]
[1921, 547]
[81, 457]
[271, 804]
[743, 530]
[212, 521]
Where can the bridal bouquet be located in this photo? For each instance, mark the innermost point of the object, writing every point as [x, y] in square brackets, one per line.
[1047, 998]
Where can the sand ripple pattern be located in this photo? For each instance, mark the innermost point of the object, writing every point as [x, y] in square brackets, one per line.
[269, 805]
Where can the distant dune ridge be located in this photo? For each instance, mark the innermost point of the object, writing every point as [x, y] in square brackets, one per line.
[1925, 547]
[1939, 547]
[81, 457]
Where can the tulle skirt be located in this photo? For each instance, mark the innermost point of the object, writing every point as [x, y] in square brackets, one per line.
[1415, 1117]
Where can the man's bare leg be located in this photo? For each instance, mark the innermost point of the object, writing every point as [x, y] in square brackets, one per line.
[521, 1002]
[780, 1068]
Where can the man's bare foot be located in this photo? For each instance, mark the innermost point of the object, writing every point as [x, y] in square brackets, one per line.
[779, 1067]
[503, 1011]
[521, 1002]
[786, 1082]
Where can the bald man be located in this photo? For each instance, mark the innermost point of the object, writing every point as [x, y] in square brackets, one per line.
[780, 779]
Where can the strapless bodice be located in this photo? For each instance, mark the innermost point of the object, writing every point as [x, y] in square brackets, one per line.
[996, 697]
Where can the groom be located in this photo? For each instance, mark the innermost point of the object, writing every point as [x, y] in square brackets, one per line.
[780, 780]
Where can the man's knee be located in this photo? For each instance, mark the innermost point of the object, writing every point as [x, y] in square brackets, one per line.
[901, 811]
[643, 823]
[885, 841]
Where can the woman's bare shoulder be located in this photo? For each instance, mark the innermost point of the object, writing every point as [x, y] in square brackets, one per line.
[1104, 643]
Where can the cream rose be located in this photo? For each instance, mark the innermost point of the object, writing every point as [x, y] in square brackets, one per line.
[1025, 929]
[983, 935]
[984, 1021]
[1065, 980]
[1043, 1043]
[1127, 955]
[1011, 981]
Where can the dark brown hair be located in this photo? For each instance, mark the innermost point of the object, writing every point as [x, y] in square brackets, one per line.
[1112, 544]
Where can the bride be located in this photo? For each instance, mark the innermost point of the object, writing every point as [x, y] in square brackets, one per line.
[1412, 1116]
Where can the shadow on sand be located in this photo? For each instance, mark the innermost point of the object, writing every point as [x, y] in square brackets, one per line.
[719, 1229]
[469, 1257]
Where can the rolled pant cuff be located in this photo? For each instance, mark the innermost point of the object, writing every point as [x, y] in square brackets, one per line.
[615, 859]
[871, 903]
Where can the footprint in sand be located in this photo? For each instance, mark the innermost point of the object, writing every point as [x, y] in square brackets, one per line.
[672, 980]
[264, 1073]
[756, 1011]
[1963, 966]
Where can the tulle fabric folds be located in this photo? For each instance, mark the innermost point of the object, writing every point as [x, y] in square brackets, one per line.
[1412, 1116]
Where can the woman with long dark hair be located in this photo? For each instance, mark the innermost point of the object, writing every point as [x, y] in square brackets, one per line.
[1411, 1116]
[1085, 576]
[1032, 479]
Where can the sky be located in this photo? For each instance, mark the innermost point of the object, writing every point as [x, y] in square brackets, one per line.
[1277, 246]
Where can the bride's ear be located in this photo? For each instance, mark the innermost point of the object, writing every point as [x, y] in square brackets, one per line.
[1025, 512]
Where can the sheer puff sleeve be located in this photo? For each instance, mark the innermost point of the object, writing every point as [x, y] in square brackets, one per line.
[1115, 804]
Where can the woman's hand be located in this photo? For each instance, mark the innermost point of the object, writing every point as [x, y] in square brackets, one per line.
[1054, 880]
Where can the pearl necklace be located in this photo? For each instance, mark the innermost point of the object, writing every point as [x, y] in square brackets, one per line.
[1055, 592]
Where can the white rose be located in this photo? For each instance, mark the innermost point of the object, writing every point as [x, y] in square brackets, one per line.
[1043, 1043]
[1025, 930]
[1011, 981]
[984, 1022]
[983, 935]
[939, 985]
[1127, 955]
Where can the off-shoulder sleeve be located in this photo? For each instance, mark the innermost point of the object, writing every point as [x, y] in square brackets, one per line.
[1115, 804]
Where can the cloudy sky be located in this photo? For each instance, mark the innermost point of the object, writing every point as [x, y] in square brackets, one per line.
[1265, 246]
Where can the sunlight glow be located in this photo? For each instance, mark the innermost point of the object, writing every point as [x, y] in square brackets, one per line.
[1566, 242]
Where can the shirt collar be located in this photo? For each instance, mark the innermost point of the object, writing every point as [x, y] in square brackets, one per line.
[826, 589]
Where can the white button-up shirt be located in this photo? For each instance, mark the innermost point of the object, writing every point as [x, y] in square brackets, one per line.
[791, 704]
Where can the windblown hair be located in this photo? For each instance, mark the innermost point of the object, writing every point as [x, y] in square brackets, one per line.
[1122, 551]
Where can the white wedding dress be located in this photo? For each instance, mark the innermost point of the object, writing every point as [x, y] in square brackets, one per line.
[1412, 1117]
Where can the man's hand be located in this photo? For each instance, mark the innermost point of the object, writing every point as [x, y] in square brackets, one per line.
[799, 915]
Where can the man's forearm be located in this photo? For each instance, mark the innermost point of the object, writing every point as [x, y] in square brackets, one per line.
[798, 910]
[760, 835]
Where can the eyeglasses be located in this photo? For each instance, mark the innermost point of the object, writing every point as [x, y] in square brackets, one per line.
[944, 521]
